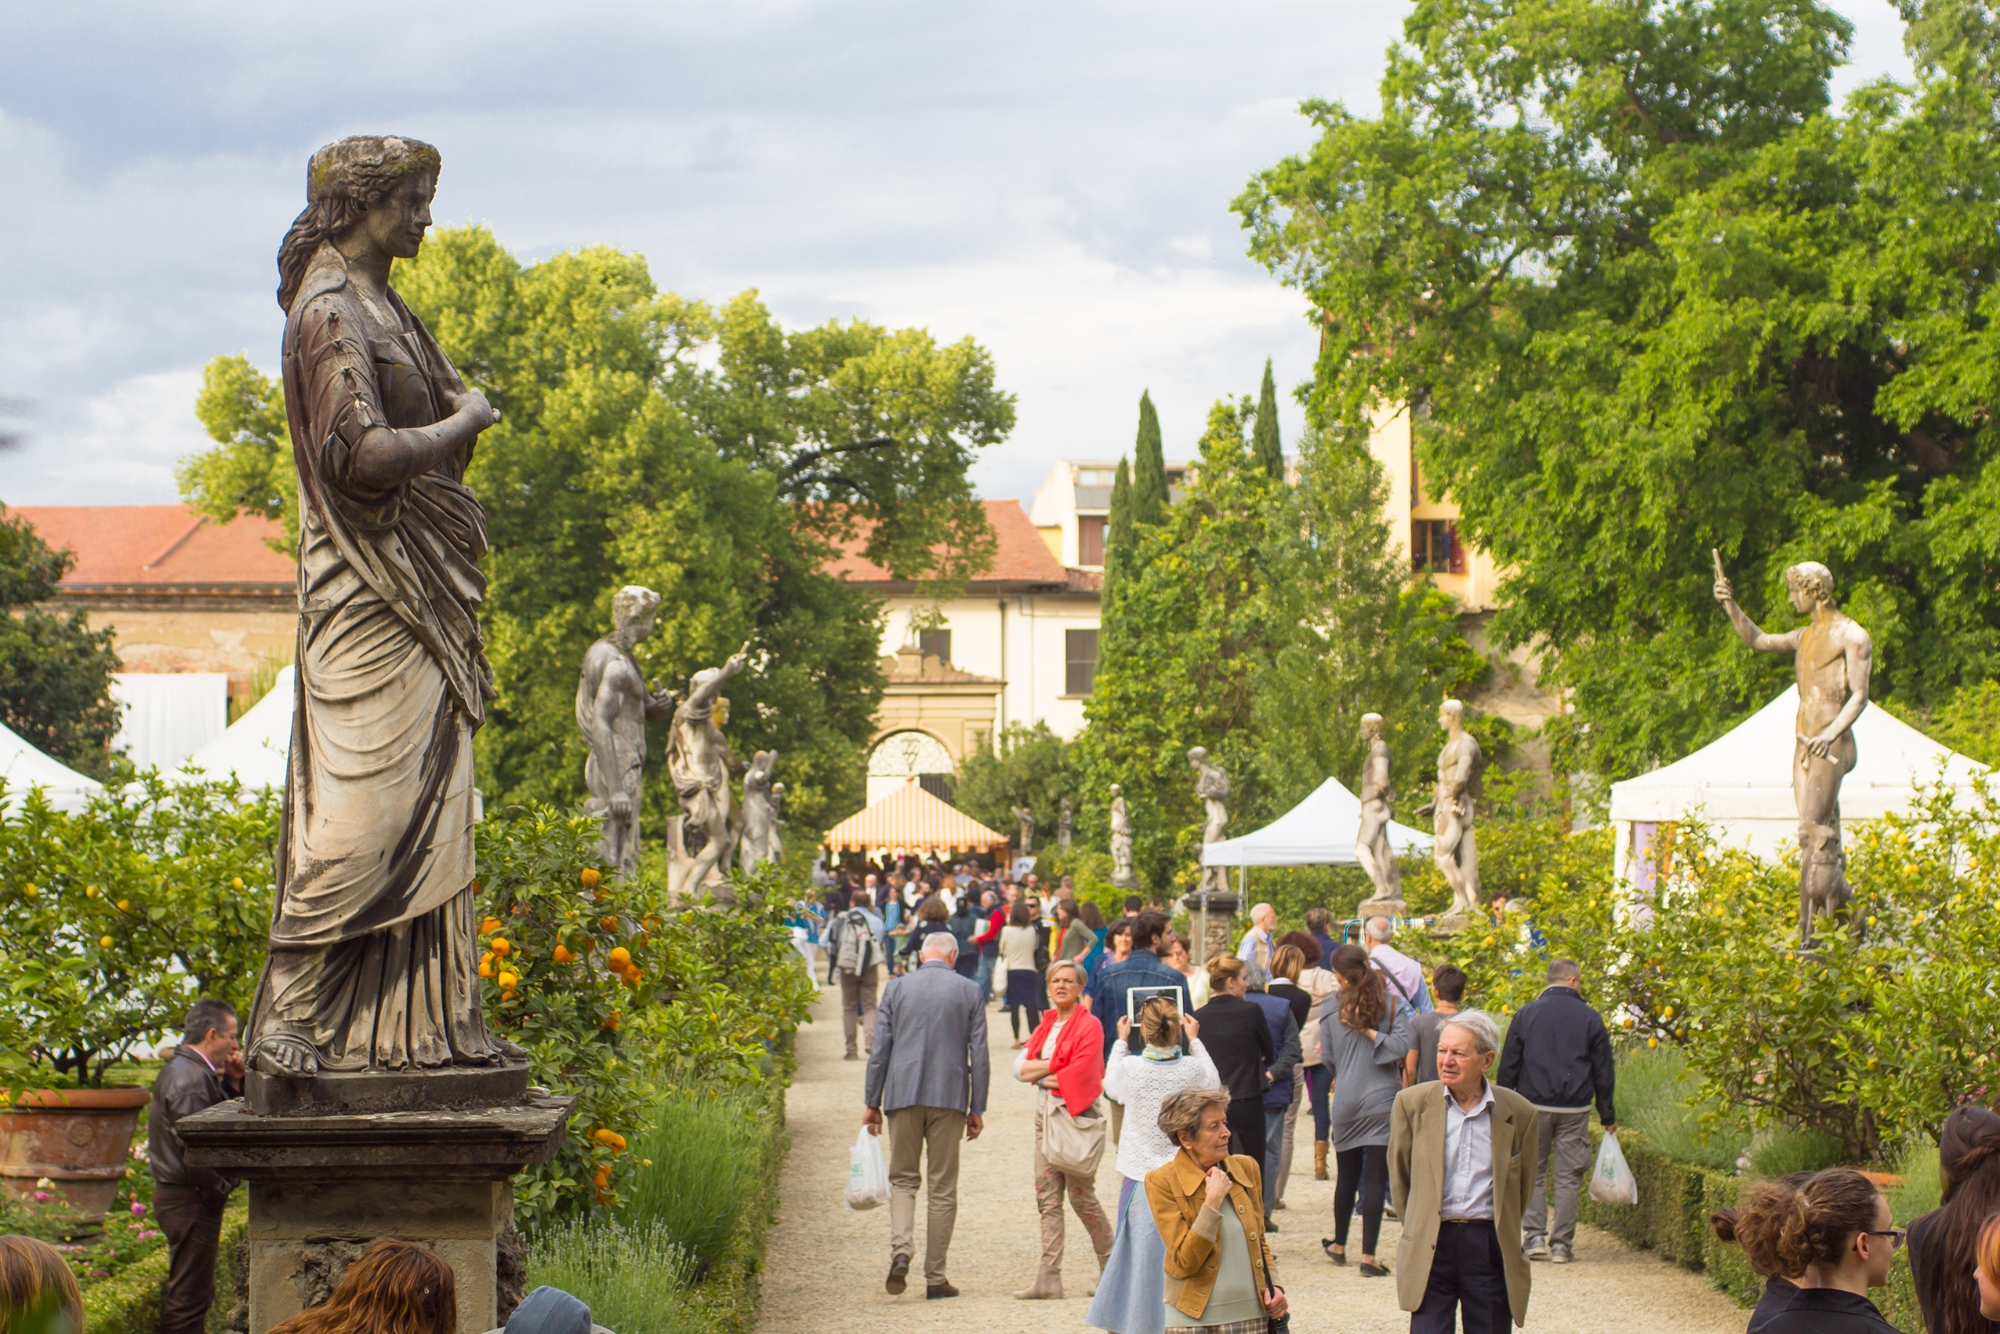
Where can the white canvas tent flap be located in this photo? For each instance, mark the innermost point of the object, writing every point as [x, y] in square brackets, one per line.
[168, 716]
[257, 747]
[25, 767]
[1319, 831]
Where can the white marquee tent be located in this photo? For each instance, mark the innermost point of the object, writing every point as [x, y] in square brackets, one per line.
[1319, 831]
[168, 716]
[24, 767]
[1741, 783]
[257, 747]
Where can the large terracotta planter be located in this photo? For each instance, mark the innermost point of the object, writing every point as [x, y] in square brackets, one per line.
[79, 1139]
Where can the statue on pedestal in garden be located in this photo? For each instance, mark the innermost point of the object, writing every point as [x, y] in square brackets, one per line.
[1065, 824]
[1027, 824]
[1121, 842]
[374, 962]
[1832, 657]
[613, 706]
[1212, 786]
[1371, 840]
[700, 764]
[759, 841]
[1455, 850]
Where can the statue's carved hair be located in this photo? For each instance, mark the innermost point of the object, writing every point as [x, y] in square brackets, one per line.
[343, 181]
[1815, 578]
[633, 602]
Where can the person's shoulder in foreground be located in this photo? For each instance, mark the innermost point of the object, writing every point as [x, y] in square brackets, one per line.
[1828, 1311]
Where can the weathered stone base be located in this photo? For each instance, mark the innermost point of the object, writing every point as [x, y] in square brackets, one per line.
[1211, 921]
[1382, 908]
[332, 1093]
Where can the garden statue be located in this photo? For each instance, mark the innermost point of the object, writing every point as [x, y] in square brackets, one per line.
[758, 842]
[1455, 849]
[1212, 786]
[613, 706]
[374, 957]
[1371, 840]
[700, 764]
[1121, 842]
[1065, 824]
[1832, 657]
[1027, 819]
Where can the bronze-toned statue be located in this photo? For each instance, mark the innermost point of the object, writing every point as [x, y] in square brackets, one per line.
[374, 961]
[1832, 657]
[613, 706]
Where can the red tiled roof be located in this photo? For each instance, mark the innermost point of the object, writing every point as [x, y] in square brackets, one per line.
[167, 545]
[1021, 556]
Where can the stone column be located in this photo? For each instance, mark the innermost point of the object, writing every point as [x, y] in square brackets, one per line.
[322, 1187]
[1211, 924]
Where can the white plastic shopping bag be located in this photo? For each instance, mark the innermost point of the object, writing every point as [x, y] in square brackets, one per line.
[1611, 1181]
[867, 1172]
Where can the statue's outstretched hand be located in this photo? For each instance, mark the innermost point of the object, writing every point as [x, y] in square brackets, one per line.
[1724, 590]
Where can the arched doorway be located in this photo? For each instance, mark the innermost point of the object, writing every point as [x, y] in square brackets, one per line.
[901, 756]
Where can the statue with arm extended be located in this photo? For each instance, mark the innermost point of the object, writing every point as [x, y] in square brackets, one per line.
[698, 761]
[613, 706]
[1456, 850]
[1832, 657]
[1371, 840]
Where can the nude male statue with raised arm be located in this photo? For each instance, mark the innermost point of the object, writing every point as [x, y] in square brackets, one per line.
[613, 706]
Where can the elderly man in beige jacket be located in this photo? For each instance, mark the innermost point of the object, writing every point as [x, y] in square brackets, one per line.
[1461, 1166]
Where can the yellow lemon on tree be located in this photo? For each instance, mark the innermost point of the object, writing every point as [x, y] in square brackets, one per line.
[32, 889]
[104, 942]
[1667, 1013]
[501, 947]
[124, 905]
[236, 883]
[90, 891]
[1652, 1042]
[508, 981]
[589, 877]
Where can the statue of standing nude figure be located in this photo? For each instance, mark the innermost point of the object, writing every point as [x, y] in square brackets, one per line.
[1371, 839]
[700, 764]
[1832, 657]
[1213, 788]
[1455, 850]
[759, 842]
[613, 706]
[1122, 876]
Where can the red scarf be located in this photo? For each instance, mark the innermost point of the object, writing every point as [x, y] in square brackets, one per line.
[1078, 1060]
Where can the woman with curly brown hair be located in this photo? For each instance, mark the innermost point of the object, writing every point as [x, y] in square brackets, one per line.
[1834, 1236]
[1778, 1291]
[38, 1293]
[396, 1287]
[1944, 1242]
[1364, 1041]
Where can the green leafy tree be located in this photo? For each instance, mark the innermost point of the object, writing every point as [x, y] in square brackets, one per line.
[1657, 298]
[250, 471]
[1264, 442]
[1149, 467]
[1025, 766]
[1119, 531]
[55, 671]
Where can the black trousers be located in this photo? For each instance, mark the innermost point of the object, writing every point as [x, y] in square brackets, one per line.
[1466, 1277]
[1246, 1127]
[192, 1220]
[1364, 1168]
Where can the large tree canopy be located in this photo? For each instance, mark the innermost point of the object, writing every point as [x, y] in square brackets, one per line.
[55, 671]
[706, 453]
[1650, 295]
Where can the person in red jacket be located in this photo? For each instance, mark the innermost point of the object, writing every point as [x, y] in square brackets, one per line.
[1065, 1061]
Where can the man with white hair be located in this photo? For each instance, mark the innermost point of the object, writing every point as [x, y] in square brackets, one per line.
[1404, 974]
[1258, 943]
[1450, 1146]
[1558, 1057]
[927, 1078]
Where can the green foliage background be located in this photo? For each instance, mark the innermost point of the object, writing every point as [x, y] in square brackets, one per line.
[55, 671]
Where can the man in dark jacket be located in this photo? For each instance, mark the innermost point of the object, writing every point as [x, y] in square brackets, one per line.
[1142, 968]
[188, 1201]
[1284, 1026]
[1558, 1057]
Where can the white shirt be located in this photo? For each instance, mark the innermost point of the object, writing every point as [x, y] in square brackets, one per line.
[1142, 1085]
[1468, 1157]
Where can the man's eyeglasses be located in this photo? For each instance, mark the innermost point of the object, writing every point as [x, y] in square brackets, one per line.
[1894, 1234]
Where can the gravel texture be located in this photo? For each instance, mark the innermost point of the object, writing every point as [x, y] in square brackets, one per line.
[826, 1263]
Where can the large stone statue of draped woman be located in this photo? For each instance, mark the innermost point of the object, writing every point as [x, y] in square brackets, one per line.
[373, 961]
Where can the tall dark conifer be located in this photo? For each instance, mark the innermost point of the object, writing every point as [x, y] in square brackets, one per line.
[1264, 444]
[1118, 537]
[1149, 468]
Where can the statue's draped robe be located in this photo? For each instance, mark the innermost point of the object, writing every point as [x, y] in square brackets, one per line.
[373, 955]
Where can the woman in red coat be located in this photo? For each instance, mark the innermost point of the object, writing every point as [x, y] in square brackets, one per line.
[1064, 1060]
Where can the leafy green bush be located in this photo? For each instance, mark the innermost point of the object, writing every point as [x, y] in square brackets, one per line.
[702, 1166]
[1654, 1088]
[632, 1277]
[1783, 1150]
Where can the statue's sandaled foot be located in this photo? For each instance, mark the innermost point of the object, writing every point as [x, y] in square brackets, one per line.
[285, 1057]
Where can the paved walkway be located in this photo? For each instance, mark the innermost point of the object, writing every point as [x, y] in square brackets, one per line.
[826, 1263]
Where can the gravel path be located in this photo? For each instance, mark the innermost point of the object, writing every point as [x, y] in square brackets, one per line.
[826, 1263]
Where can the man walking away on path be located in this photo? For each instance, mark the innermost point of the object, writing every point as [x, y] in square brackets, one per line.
[927, 1080]
[1450, 1144]
[856, 945]
[1421, 1065]
[1406, 975]
[1319, 925]
[1558, 1057]
[992, 917]
[188, 1201]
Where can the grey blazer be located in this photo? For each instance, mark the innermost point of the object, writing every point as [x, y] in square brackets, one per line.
[930, 1043]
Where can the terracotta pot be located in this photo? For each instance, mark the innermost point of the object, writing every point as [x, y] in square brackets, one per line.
[79, 1139]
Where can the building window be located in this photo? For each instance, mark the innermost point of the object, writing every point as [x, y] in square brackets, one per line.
[1080, 661]
[1090, 539]
[1435, 548]
[935, 643]
[1093, 477]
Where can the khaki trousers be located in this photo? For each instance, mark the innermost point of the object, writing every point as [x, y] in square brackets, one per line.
[1050, 1183]
[931, 1135]
[858, 990]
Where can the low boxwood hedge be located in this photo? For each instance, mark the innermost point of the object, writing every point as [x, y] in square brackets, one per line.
[129, 1301]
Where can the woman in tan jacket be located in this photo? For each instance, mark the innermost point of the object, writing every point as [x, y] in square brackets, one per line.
[1209, 1206]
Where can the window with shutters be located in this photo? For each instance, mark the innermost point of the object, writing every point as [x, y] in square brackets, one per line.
[1080, 665]
[1090, 539]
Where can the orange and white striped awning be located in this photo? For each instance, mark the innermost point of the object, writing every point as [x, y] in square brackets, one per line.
[911, 819]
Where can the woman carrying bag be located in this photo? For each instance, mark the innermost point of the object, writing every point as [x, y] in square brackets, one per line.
[1064, 1060]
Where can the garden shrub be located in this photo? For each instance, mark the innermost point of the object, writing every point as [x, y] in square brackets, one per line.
[703, 1166]
[633, 1276]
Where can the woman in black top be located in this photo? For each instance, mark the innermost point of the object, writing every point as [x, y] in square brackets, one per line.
[1834, 1234]
[1778, 1292]
[1239, 1042]
[1944, 1242]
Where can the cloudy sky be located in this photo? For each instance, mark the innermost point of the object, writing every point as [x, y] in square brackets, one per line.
[1050, 176]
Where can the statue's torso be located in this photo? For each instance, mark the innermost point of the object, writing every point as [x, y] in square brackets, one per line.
[1821, 668]
[607, 664]
[1375, 774]
[1457, 762]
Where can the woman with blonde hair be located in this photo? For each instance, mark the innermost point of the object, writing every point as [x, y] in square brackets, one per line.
[396, 1287]
[1209, 1207]
[1064, 1060]
[1835, 1237]
[1239, 1042]
[38, 1293]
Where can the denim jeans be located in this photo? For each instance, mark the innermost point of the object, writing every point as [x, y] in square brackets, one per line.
[984, 977]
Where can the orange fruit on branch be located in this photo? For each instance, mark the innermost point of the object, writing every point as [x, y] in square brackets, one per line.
[589, 877]
[621, 958]
[502, 947]
[561, 955]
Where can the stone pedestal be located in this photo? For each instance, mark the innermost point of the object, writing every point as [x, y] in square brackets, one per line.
[680, 869]
[1211, 924]
[322, 1187]
[1391, 908]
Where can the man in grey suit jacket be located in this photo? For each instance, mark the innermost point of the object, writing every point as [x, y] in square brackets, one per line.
[1461, 1164]
[927, 1078]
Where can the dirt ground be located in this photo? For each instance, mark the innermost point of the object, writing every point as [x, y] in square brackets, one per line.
[826, 1263]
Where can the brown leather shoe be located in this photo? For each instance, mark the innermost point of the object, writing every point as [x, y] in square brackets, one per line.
[899, 1275]
[937, 1290]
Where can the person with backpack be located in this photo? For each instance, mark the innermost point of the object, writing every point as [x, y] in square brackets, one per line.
[856, 945]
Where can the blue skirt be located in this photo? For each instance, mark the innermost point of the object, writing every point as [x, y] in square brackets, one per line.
[1132, 1291]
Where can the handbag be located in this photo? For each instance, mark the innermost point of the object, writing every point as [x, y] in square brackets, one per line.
[1072, 1144]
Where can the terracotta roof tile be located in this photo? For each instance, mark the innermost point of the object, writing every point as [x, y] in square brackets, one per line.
[160, 544]
[1020, 557]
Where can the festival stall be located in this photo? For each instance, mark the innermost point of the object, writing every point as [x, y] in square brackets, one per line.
[1319, 831]
[23, 767]
[911, 820]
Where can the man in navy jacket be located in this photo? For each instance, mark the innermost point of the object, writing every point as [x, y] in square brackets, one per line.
[1558, 1057]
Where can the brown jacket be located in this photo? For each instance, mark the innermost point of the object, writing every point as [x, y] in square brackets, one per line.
[1177, 1194]
[1416, 1186]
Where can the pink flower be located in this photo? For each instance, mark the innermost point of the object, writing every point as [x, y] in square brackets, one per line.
[40, 1197]
[138, 1209]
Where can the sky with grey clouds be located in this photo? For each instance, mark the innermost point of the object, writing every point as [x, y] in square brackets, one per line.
[1050, 176]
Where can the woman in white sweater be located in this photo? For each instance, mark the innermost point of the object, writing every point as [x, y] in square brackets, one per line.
[1131, 1293]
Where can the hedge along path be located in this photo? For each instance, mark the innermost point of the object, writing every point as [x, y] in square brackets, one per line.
[825, 1264]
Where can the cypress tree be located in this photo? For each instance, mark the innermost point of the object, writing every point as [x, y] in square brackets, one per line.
[1118, 537]
[1264, 444]
[1149, 468]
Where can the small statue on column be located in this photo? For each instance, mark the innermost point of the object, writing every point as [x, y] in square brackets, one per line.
[1371, 840]
[1455, 850]
[1212, 786]
[613, 706]
[1121, 842]
[1027, 819]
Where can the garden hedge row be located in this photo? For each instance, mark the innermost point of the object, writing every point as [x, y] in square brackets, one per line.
[1671, 1219]
[129, 1301]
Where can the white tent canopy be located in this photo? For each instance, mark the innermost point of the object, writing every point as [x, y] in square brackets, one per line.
[1319, 831]
[24, 767]
[1741, 783]
[168, 716]
[257, 747]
